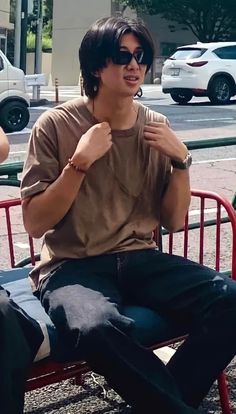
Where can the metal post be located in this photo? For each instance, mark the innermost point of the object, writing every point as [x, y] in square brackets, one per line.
[24, 16]
[38, 43]
[56, 90]
[17, 34]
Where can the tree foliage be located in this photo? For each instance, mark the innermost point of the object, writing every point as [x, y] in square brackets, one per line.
[209, 20]
[47, 11]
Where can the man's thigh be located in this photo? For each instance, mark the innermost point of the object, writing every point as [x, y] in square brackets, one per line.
[176, 287]
[82, 295]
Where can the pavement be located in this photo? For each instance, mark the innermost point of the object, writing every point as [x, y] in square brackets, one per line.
[96, 397]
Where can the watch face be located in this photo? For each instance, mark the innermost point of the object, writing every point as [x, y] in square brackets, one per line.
[182, 165]
[188, 160]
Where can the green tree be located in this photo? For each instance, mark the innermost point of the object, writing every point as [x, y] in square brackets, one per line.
[47, 12]
[47, 17]
[209, 20]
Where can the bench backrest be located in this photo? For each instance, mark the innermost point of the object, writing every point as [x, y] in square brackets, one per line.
[208, 237]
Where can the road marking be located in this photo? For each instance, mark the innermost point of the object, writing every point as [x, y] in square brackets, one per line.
[40, 108]
[17, 152]
[206, 211]
[209, 119]
[23, 131]
[216, 160]
[22, 245]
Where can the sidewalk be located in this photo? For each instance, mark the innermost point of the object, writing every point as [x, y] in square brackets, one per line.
[48, 93]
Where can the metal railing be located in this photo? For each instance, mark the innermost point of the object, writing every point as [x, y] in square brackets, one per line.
[9, 172]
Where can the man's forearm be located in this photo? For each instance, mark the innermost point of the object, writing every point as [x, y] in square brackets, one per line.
[4, 146]
[176, 200]
[44, 210]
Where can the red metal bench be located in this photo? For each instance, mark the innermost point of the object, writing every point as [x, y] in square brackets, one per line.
[212, 221]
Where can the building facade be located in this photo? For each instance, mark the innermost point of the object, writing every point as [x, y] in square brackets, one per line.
[5, 26]
[71, 20]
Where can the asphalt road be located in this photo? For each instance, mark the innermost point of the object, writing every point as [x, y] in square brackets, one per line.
[196, 120]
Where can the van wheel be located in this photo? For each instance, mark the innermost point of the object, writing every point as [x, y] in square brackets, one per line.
[14, 116]
[220, 91]
[181, 97]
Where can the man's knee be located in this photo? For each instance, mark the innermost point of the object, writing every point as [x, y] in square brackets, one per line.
[80, 312]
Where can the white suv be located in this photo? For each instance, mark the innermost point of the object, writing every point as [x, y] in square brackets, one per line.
[202, 69]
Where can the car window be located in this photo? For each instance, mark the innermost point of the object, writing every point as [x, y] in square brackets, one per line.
[187, 53]
[1, 63]
[227, 52]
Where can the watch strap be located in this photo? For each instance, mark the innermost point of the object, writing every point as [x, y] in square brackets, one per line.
[182, 165]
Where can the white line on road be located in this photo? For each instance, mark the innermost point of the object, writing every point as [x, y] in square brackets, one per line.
[206, 211]
[23, 131]
[17, 152]
[41, 108]
[209, 119]
[216, 160]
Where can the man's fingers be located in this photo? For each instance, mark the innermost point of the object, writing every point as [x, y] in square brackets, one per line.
[156, 124]
[153, 129]
[150, 135]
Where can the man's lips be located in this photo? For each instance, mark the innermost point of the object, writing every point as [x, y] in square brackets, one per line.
[131, 78]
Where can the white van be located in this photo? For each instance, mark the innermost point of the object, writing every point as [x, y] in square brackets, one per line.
[14, 101]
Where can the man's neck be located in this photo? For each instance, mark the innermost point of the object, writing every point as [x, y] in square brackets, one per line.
[120, 113]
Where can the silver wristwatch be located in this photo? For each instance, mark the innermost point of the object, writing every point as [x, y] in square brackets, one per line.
[182, 165]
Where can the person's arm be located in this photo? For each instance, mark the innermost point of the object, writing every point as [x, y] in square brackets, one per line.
[44, 210]
[176, 199]
[4, 146]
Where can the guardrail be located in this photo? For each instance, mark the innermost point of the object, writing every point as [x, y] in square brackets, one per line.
[9, 171]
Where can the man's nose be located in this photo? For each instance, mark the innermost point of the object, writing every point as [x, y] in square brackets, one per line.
[133, 62]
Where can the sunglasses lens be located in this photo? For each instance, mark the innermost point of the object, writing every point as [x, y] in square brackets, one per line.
[123, 57]
[139, 56]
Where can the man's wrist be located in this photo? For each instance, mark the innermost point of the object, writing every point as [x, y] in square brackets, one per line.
[77, 167]
[80, 162]
[182, 165]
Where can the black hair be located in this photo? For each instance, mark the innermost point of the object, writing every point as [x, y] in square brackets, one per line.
[102, 41]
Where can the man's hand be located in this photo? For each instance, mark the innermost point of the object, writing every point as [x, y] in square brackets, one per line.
[93, 145]
[161, 137]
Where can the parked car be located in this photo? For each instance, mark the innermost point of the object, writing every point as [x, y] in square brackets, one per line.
[14, 101]
[201, 69]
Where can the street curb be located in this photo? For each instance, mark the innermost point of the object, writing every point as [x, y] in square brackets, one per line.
[38, 102]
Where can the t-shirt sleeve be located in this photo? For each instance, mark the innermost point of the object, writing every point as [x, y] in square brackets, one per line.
[41, 167]
[164, 160]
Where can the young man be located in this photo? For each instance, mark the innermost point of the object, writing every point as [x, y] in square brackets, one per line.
[101, 173]
[20, 338]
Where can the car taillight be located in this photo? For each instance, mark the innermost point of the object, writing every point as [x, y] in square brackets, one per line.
[198, 64]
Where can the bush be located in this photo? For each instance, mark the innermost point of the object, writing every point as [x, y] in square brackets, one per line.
[46, 43]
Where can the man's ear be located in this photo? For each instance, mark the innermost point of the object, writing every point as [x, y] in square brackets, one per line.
[96, 74]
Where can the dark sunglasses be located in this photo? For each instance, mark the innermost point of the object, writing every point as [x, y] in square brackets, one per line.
[124, 57]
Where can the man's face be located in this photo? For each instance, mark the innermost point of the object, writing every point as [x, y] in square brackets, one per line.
[125, 76]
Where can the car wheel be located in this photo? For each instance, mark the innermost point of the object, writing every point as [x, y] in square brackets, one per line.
[181, 97]
[220, 91]
[14, 116]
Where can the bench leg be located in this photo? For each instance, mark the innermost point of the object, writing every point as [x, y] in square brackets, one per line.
[224, 395]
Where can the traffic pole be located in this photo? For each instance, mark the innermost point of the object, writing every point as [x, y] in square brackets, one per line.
[56, 90]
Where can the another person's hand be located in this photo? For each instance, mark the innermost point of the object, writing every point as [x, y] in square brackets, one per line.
[4, 146]
[93, 145]
[161, 137]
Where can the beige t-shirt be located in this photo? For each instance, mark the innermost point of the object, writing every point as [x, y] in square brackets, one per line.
[117, 206]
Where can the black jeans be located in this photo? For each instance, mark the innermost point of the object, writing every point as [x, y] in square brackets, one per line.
[85, 298]
[20, 338]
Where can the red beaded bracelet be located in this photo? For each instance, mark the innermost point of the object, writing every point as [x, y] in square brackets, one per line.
[76, 167]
